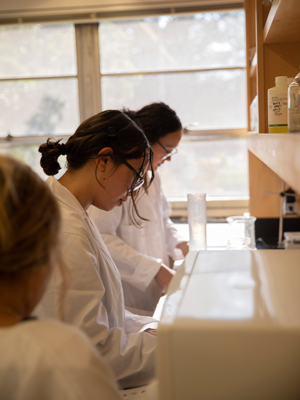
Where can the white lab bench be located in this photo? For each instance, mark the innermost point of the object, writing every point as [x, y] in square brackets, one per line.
[230, 327]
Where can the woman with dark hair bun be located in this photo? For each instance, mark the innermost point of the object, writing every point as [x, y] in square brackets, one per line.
[143, 255]
[107, 158]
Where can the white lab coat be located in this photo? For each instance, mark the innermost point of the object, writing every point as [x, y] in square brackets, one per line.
[139, 252]
[48, 360]
[95, 302]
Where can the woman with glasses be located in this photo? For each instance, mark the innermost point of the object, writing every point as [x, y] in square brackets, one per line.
[143, 255]
[107, 158]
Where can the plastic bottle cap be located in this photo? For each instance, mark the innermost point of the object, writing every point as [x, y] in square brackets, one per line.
[281, 81]
[289, 81]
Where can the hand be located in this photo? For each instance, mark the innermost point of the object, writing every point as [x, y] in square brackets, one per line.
[163, 277]
[151, 331]
[184, 247]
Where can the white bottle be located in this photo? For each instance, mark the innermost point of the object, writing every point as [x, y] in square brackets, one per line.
[294, 105]
[277, 106]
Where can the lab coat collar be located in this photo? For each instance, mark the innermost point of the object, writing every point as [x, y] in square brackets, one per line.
[64, 196]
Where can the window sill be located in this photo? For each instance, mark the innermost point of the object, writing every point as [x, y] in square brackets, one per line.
[216, 207]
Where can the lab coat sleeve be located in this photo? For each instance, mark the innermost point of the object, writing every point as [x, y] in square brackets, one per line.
[130, 354]
[135, 268]
[132, 319]
[172, 236]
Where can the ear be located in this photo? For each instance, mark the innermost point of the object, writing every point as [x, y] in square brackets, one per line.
[104, 159]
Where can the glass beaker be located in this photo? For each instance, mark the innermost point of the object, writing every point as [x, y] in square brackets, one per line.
[294, 105]
[241, 233]
[197, 221]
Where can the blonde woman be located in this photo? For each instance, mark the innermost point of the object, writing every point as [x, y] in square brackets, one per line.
[40, 359]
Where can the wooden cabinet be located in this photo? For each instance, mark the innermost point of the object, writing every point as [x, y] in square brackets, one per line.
[274, 31]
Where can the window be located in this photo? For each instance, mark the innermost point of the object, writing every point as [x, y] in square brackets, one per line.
[38, 87]
[196, 64]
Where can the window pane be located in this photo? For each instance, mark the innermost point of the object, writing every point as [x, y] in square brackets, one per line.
[38, 50]
[213, 99]
[38, 107]
[28, 154]
[203, 40]
[215, 167]
[31, 156]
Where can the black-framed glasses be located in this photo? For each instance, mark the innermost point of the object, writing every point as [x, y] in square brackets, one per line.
[138, 180]
[169, 153]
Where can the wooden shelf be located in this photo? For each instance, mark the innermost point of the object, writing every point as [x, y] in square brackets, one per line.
[282, 25]
[280, 153]
[272, 158]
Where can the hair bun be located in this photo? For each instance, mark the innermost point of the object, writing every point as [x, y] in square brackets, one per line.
[63, 150]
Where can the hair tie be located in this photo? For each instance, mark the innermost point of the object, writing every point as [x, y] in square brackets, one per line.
[111, 131]
[63, 150]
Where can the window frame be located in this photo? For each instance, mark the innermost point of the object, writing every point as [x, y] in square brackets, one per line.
[88, 55]
[216, 207]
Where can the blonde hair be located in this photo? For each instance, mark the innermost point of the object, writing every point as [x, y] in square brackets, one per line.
[29, 218]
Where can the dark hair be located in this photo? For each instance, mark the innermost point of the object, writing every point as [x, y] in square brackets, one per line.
[111, 128]
[29, 219]
[107, 129]
[157, 120]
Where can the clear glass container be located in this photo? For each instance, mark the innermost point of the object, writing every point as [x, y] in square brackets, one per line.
[241, 233]
[197, 221]
[294, 105]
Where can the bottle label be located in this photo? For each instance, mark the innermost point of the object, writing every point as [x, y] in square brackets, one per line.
[278, 110]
